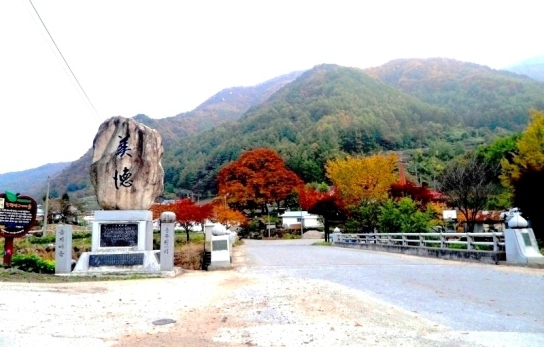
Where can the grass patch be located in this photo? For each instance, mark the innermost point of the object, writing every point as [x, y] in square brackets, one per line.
[16, 275]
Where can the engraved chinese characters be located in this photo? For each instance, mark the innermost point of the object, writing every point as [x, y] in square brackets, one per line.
[126, 170]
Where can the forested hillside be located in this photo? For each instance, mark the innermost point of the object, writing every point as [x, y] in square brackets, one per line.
[533, 68]
[439, 105]
[327, 111]
[30, 180]
[227, 105]
[481, 96]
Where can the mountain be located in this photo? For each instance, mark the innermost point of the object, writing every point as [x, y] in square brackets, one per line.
[327, 111]
[533, 68]
[28, 182]
[332, 110]
[481, 96]
[227, 105]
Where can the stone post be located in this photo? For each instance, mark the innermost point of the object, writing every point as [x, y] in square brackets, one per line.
[63, 249]
[167, 240]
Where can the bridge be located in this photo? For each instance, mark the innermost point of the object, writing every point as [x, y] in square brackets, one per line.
[478, 304]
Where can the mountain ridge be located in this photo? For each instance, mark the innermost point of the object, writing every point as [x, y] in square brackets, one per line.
[430, 95]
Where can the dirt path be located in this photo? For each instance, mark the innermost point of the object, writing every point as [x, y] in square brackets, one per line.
[277, 310]
[220, 308]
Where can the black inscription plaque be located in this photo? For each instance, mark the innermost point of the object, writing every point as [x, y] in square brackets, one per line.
[526, 239]
[129, 259]
[119, 235]
[220, 245]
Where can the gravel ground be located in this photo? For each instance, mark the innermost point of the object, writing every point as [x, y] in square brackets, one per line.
[240, 307]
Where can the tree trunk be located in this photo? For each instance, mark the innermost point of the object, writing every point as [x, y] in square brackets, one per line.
[326, 227]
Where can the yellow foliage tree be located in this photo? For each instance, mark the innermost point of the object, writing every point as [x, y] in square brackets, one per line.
[530, 155]
[360, 179]
[524, 174]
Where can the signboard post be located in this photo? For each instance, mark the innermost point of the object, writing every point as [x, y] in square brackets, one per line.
[17, 217]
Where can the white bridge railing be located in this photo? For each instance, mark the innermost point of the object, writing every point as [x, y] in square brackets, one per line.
[491, 240]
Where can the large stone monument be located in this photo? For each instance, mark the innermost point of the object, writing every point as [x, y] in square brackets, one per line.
[126, 170]
[127, 174]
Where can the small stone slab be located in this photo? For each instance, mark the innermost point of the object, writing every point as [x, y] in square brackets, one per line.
[164, 321]
[129, 259]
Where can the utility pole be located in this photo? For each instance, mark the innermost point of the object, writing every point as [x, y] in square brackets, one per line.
[46, 212]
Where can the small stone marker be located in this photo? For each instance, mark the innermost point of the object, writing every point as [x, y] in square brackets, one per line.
[167, 240]
[63, 249]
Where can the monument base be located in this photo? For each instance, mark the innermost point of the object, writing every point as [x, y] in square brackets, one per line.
[521, 247]
[127, 262]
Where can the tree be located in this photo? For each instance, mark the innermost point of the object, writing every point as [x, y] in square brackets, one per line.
[259, 177]
[327, 204]
[467, 185]
[188, 214]
[530, 156]
[363, 179]
[523, 174]
[409, 189]
[404, 216]
[224, 215]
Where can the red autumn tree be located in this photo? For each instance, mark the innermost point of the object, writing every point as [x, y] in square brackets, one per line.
[259, 177]
[188, 214]
[409, 189]
[327, 204]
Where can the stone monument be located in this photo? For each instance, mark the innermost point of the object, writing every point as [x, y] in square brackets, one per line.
[520, 242]
[127, 175]
[221, 248]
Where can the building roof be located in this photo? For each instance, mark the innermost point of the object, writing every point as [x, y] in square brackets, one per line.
[295, 214]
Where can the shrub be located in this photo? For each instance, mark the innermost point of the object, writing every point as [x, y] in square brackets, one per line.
[32, 263]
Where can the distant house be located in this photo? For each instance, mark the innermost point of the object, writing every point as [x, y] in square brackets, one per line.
[489, 221]
[294, 219]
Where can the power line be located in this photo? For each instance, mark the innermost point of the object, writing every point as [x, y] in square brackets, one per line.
[65, 62]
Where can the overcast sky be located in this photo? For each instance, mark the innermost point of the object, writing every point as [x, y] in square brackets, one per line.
[162, 58]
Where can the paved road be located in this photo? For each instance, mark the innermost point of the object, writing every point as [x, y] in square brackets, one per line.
[487, 302]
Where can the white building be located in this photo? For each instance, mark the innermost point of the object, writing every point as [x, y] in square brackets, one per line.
[293, 219]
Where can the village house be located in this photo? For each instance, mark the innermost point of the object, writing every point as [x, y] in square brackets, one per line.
[293, 220]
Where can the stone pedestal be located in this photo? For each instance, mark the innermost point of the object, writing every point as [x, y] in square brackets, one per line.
[122, 242]
[129, 230]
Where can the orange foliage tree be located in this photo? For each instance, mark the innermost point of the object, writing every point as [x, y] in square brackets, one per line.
[188, 214]
[224, 215]
[327, 204]
[259, 177]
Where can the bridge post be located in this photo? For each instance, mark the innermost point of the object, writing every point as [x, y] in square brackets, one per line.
[470, 239]
[495, 243]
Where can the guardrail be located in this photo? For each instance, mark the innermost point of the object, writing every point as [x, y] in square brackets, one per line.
[494, 240]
